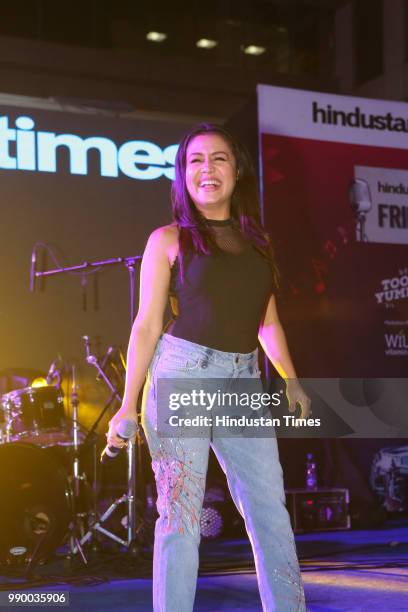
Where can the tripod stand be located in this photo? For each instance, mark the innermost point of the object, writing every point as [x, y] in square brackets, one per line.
[129, 498]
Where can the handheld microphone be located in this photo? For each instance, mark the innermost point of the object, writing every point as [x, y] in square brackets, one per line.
[126, 429]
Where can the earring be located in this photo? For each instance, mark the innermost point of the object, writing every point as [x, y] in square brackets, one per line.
[237, 175]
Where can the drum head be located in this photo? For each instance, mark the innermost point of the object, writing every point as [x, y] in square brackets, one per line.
[35, 504]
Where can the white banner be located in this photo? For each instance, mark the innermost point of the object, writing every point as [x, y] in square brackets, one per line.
[330, 117]
[387, 194]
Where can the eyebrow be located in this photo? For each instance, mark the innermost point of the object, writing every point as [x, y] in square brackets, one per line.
[215, 153]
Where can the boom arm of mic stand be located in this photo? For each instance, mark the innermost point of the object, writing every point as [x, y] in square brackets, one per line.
[130, 263]
[92, 360]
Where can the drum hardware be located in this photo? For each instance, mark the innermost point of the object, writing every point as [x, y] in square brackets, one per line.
[54, 374]
[76, 478]
[130, 496]
[74, 416]
[35, 416]
[41, 526]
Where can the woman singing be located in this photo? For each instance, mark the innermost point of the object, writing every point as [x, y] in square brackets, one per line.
[215, 262]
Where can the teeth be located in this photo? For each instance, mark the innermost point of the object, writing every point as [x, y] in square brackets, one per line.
[209, 182]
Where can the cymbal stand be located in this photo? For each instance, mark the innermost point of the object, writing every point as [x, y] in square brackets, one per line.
[76, 477]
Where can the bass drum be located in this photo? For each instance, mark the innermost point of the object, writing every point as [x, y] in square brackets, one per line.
[36, 504]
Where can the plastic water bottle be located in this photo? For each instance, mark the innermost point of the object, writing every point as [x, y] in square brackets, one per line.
[311, 473]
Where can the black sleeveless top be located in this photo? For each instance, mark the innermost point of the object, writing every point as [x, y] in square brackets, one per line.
[223, 296]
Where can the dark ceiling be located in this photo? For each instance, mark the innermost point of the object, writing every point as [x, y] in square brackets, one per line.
[98, 50]
[290, 30]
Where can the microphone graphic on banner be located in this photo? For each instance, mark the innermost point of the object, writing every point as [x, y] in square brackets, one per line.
[361, 203]
[126, 429]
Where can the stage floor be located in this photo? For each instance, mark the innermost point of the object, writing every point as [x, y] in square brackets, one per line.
[351, 571]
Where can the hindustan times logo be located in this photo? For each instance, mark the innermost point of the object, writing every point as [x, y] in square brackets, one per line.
[358, 119]
[38, 151]
[386, 187]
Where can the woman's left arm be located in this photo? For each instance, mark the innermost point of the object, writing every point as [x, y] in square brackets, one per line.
[273, 341]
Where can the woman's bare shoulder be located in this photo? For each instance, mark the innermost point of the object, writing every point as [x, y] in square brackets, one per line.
[164, 241]
[165, 235]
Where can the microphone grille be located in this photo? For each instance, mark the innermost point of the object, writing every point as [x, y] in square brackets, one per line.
[360, 196]
[126, 428]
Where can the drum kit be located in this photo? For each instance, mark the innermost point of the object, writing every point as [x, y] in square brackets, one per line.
[47, 498]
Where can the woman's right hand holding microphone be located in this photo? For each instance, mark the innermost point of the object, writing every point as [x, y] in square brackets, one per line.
[123, 414]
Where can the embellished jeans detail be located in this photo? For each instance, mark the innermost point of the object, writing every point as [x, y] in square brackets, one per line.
[254, 477]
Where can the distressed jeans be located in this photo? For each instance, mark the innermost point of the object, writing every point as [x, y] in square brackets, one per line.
[254, 477]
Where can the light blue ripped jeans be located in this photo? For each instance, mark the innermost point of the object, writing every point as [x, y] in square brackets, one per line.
[254, 477]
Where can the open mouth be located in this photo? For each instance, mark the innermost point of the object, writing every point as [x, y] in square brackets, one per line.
[209, 184]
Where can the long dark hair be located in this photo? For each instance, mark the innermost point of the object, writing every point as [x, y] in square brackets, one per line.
[197, 236]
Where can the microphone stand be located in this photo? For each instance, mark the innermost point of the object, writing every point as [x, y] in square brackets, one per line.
[86, 266]
[130, 497]
[361, 222]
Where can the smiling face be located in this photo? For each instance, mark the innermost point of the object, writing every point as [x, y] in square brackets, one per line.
[210, 175]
